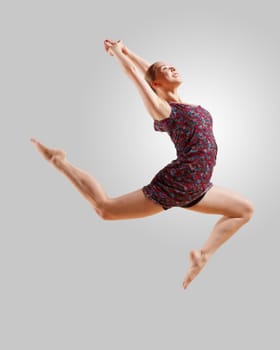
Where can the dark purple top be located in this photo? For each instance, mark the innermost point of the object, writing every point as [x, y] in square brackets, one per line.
[187, 177]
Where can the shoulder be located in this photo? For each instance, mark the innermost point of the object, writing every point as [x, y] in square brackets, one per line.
[164, 110]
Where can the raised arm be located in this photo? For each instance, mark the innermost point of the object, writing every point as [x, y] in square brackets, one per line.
[139, 62]
[158, 108]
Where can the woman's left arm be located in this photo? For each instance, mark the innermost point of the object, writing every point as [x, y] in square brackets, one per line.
[158, 108]
[139, 62]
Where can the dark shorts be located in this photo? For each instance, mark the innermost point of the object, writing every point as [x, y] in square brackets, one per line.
[191, 204]
[152, 195]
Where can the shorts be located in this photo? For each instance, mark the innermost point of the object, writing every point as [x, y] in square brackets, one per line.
[151, 196]
[191, 204]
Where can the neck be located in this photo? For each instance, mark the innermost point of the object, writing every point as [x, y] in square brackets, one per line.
[169, 96]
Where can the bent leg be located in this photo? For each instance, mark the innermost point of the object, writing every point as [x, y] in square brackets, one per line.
[236, 212]
[131, 205]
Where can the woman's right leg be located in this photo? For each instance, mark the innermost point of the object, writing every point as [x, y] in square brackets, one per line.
[236, 211]
[129, 206]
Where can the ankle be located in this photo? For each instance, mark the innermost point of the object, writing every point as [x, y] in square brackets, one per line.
[58, 161]
[205, 254]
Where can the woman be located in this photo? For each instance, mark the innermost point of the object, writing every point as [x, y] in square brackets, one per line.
[185, 182]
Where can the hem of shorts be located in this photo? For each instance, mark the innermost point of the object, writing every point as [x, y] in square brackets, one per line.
[149, 196]
[205, 191]
[189, 205]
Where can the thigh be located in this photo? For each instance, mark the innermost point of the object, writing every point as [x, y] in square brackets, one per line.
[131, 205]
[219, 200]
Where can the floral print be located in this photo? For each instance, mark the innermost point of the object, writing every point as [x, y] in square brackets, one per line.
[188, 177]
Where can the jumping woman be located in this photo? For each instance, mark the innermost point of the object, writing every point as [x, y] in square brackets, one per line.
[186, 181]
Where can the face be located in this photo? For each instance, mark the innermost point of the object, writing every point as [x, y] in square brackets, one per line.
[167, 76]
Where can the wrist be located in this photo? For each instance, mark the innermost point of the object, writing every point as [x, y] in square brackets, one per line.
[126, 51]
[115, 49]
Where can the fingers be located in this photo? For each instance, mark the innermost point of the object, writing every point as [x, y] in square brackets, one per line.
[110, 44]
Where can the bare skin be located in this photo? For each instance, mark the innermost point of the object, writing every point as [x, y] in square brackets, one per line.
[197, 260]
[235, 210]
[129, 206]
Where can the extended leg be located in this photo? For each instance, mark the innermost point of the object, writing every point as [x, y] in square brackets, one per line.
[131, 205]
[236, 212]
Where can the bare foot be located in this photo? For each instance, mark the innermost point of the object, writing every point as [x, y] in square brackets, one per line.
[197, 261]
[50, 154]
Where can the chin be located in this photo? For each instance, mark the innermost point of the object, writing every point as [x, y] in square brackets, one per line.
[180, 79]
[178, 83]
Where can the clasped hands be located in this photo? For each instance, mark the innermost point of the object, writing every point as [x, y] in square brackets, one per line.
[111, 46]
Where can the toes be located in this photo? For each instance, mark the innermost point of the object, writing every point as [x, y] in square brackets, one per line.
[189, 277]
[194, 268]
[33, 140]
[186, 283]
[36, 143]
[42, 149]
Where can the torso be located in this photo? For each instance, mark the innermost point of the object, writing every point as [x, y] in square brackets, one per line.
[187, 177]
[178, 103]
[190, 128]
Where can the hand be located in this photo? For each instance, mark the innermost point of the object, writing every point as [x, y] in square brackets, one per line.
[111, 45]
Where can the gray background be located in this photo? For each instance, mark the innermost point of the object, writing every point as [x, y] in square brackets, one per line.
[72, 281]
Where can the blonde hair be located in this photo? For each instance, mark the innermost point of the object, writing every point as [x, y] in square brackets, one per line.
[150, 74]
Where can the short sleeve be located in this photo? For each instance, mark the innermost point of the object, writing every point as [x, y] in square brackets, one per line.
[165, 125]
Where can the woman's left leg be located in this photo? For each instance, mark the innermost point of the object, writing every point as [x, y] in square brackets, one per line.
[236, 212]
[129, 206]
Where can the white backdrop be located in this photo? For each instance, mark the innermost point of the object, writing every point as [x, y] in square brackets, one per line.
[72, 281]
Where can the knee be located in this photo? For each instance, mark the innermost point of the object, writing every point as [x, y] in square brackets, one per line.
[104, 212]
[247, 211]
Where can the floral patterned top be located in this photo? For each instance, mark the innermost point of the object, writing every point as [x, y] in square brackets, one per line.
[188, 177]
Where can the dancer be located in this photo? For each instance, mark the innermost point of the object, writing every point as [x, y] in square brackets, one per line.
[186, 181]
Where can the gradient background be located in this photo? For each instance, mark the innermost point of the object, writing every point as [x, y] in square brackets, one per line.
[72, 281]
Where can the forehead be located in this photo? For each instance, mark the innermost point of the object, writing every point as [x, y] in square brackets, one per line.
[162, 64]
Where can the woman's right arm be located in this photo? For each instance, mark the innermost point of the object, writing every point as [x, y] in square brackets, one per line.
[158, 108]
[139, 62]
